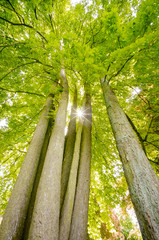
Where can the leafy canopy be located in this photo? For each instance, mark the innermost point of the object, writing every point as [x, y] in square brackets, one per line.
[113, 39]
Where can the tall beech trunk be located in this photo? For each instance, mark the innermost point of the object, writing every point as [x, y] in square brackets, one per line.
[80, 212]
[16, 211]
[45, 219]
[36, 182]
[67, 208]
[142, 181]
[69, 148]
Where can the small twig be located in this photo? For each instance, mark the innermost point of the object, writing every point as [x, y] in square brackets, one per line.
[35, 13]
[5, 160]
[145, 139]
[145, 101]
[50, 18]
[152, 144]
[153, 161]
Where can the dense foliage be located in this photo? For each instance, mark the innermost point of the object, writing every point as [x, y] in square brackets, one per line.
[113, 39]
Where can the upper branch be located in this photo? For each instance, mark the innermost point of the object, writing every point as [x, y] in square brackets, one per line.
[37, 61]
[121, 68]
[25, 25]
[15, 69]
[131, 56]
[10, 45]
[20, 91]
[18, 15]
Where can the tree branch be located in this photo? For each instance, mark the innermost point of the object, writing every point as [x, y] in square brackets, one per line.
[16, 68]
[12, 44]
[17, 24]
[145, 139]
[22, 124]
[5, 160]
[6, 7]
[18, 15]
[9, 45]
[137, 133]
[35, 13]
[125, 64]
[20, 91]
[107, 72]
[121, 68]
[25, 25]
[50, 18]
[37, 61]
[152, 144]
[153, 161]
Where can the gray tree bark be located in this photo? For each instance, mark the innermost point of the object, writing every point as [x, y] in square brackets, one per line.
[67, 208]
[36, 182]
[142, 181]
[45, 219]
[16, 211]
[80, 212]
[69, 149]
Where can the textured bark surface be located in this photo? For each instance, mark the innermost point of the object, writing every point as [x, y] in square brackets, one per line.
[16, 211]
[67, 208]
[142, 181]
[80, 213]
[45, 220]
[69, 149]
[36, 182]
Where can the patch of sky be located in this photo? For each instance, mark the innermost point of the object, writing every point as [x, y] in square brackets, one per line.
[49, 57]
[75, 2]
[26, 34]
[86, 2]
[9, 101]
[3, 123]
[134, 9]
[134, 12]
[135, 91]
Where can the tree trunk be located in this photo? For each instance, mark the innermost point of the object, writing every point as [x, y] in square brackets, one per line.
[142, 181]
[80, 213]
[69, 148]
[45, 220]
[36, 182]
[16, 211]
[67, 208]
